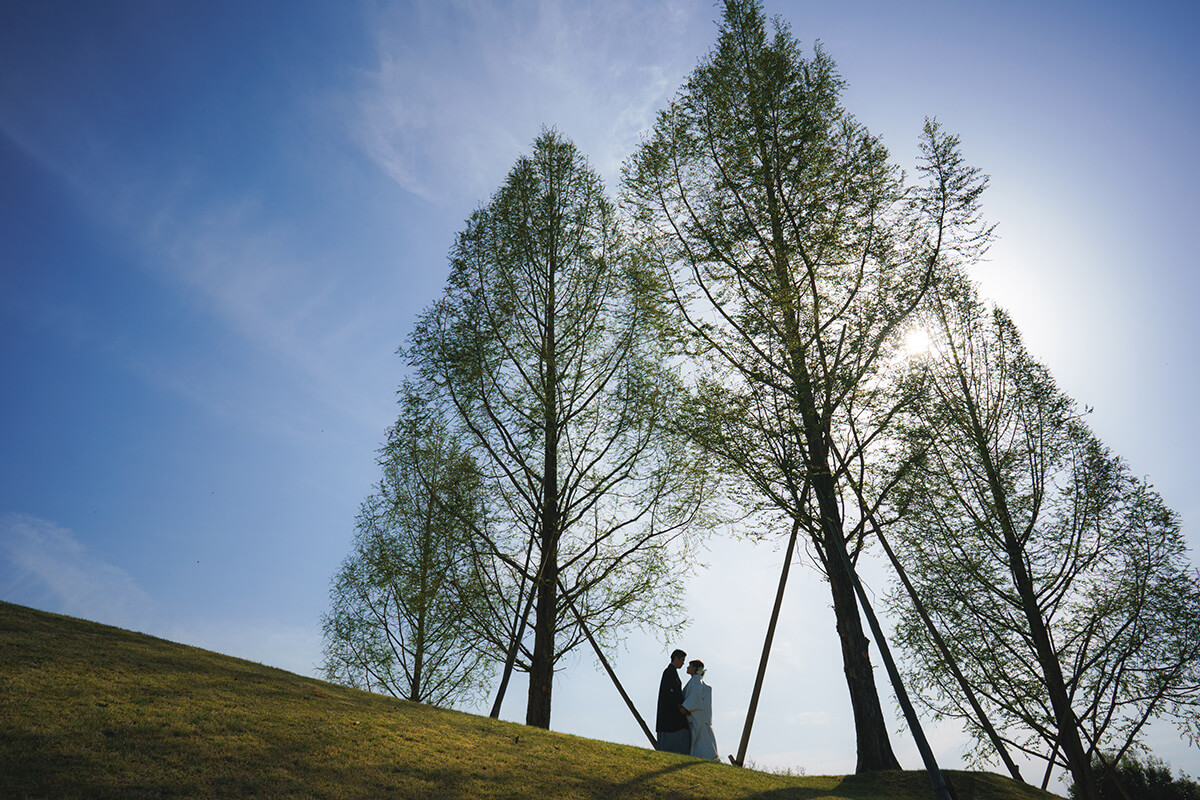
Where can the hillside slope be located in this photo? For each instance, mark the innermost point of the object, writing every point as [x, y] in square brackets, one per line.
[90, 711]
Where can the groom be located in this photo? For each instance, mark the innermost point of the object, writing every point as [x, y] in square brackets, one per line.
[671, 724]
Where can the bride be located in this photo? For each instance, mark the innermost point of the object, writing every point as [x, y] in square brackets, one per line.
[697, 699]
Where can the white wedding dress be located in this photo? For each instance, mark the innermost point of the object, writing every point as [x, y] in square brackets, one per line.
[697, 699]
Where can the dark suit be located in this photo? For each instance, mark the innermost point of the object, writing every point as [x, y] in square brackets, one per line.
[670, 724]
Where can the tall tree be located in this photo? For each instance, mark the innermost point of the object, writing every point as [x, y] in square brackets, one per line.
[795, 257]
[396, 623]
[1058, 579]
[546, 346]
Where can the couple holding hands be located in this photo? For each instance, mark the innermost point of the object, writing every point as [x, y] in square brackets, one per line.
[684, 723]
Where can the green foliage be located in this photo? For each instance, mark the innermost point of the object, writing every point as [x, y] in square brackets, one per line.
[794, 254]
[547, 350]
[397, 621]
[1018, 527]
[1131, 779]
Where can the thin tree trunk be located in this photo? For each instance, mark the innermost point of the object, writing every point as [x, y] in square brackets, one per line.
[1049, 767]
[519, 625]
[1060, 700]
[984, 722]
[740, 759]
[415, 688]
[607, 667]
[1039, 634]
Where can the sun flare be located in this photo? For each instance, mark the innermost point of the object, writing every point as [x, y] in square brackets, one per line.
[916, 342]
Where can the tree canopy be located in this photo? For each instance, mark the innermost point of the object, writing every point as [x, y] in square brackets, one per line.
[794, 253]
[546, 350]
[583, 369]
[1020, 528]
[397, 622]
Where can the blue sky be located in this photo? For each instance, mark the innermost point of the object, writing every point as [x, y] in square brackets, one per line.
[218, 221]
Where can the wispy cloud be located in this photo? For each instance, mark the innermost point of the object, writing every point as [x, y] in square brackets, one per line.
[458, 89]
[47, 567]
[282, 296]
[461, 87]
[253, 274]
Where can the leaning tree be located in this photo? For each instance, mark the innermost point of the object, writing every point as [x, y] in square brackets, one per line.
[1058, 580]
[795, 255]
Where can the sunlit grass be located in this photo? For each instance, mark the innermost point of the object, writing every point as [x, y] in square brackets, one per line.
[88, 711]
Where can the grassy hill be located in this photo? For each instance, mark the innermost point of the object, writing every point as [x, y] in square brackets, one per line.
[90, 711]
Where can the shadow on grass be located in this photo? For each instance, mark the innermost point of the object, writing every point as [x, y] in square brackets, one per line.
[627, 788]
[806, 793]
[29, 762]
[643, 786]
[93, 713]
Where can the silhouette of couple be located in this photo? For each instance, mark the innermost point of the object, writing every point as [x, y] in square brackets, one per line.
[684, 723]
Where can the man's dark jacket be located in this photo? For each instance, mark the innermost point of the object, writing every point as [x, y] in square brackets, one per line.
[670, 697]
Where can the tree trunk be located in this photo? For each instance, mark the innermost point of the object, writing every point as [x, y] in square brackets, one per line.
[870, 726]
[518, 630]
[1039, 634]
[1056, 688]
[415, 687]
[941, 789]
[541, 668]
[874, 746]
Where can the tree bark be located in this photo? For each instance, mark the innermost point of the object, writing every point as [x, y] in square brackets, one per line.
[870, 726]
[519, 624]
[541, 668]
[740, 759]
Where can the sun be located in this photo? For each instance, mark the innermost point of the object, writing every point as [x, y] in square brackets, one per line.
[916, 342]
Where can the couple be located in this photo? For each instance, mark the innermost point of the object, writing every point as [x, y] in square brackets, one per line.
[684, 722]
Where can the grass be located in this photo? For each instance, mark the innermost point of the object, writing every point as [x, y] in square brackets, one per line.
[90, 711]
